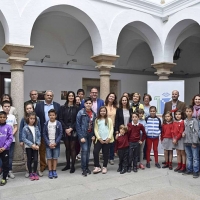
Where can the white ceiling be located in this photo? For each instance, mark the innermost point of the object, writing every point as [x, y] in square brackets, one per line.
[158, 1]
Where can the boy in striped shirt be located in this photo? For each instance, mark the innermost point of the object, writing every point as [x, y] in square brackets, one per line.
[153, 127]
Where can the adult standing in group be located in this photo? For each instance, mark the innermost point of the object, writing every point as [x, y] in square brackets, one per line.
[97, 103]
[42, 108]
[196, 111]
[34, 98]
[67, 117]
[7, 97]
[146, 99]
[136, 102]
[123, 113]
[111, 105]
[174, 104]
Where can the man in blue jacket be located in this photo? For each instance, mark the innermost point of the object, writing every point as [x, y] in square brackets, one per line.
[97, 103]
[42, 109]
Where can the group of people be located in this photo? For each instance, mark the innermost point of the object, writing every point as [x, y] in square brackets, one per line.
[127, 128]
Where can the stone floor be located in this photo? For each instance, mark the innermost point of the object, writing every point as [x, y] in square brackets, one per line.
[148, 184]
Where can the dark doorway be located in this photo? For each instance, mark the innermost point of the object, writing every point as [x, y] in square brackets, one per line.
[5, 83]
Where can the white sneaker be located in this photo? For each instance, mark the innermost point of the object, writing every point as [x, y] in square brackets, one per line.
[11, 175]
[111, 162]
[26, 175]
[40, 173]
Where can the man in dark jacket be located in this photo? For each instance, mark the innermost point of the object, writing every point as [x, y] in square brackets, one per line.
[42, 109]
[34, 98]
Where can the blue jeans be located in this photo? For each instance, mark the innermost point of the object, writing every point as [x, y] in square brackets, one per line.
[192, 158]
[11, 152]
[85, 152]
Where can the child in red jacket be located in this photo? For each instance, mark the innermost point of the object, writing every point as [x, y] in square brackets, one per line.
[166, 138]
[135, 140]
[178, 129]
[121, 148]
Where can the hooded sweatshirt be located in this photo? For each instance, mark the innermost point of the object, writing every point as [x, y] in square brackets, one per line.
[6, 136]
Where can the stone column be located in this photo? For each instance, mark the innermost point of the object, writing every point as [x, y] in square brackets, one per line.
[17, 59]
[163, 69]
[104, 65]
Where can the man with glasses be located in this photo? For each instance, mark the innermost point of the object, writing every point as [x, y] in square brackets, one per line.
[34, 98]
[97, 103]
[42, 108]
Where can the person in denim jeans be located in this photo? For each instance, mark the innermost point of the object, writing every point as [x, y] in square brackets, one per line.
[85, 130]
[191, 141]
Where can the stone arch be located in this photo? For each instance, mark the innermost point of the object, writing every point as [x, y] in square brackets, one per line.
[178, 25]
[145, 23]
[80, 10]
[4, 23]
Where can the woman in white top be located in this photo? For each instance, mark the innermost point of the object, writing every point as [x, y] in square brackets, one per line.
[146, 98]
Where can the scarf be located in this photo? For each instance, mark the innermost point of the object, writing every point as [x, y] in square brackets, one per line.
[196, 112]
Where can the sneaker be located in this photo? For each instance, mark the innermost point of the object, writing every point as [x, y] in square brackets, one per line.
[123, 171]
[11, 175]
[55, 175]
[195, 175]
[40, 173]
[119, 169]
[3, 182]
[96, 170]
[135, 169]
[129, 170]
[26, 174]
[84, 173]
[88, 171]
[104, 170]
[141, 166]
[187, 173]
[148, 165]
[31, 177]
[50, 174]
[157, 165]
[78, 156]
[36, 176]
[7, 178]
[111, 162]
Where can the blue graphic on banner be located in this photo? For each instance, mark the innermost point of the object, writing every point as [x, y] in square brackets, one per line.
[161, 102]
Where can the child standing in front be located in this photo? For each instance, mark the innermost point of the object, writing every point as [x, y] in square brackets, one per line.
[153, 132]
[178, 128]
[166, 139]
[135, 141]
[31, 137]
[122, 148]
[103, 130]
[52, 134]
[191, 142]
[143, 122]
[11, 120]
[85, 129]
[6, 138]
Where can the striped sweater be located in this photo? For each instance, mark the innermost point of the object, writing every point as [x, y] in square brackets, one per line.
[153, 127]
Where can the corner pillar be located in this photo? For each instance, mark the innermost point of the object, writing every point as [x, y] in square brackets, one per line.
[104, 65]
[163, 69]
[17, 59]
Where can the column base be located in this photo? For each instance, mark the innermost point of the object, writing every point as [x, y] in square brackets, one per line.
[18, 166]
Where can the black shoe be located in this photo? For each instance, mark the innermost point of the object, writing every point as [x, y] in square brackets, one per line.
[84, 173]
[129, 170]
[123, 171]
[170, 167]
[187, 173]
[72, 170]
[164, 163]
[195, 175]
[119, 169]
[148, 165]
[165, 166]
[135, 169]
[66, 168]
[177, 169]
[88, 171]
[157, 165]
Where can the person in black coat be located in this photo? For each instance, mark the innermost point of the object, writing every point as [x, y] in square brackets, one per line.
[123, 113]
[67, 117]
[42, 108]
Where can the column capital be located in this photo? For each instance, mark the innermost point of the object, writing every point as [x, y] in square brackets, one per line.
[163, 69]
[17, 55]
[104, 61]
